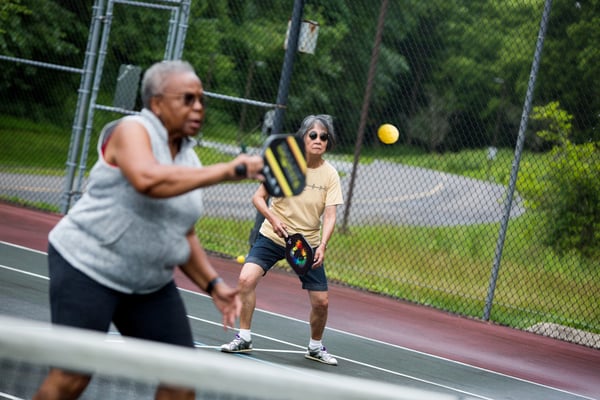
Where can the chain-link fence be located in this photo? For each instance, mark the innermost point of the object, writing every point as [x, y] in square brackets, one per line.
[488, 205]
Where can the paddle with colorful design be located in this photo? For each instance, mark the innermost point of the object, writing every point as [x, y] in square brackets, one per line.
[298, 253]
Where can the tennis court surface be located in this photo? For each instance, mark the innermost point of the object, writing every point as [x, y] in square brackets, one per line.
[412, 351]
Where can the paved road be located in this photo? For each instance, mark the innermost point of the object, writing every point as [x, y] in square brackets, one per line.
[384, 193]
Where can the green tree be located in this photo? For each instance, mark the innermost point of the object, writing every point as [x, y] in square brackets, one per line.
[485, 44]
[40, 30]
[569, 193]
[570, 69]
[9, 9]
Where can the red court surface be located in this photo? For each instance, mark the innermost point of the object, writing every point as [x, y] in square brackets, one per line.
[516, 353]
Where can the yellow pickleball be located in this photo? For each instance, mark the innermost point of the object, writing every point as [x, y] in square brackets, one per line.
[388, 133]
[241, 259]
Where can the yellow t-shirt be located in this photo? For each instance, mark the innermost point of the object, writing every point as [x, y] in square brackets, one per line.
[302, 213]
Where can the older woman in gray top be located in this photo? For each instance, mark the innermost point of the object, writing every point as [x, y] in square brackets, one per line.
[111, 258]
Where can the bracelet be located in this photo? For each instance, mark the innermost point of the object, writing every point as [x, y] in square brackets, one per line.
[212, 284]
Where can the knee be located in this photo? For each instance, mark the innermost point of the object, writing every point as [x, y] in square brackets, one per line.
[249, 277]
[246, 283]
[321, 304]
[172, 393]
[75, 383]
[62, 385]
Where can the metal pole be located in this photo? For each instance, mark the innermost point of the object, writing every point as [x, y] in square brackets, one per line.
[82, 101]
[171, 35]
[365, 110]
[288, 64]
[282, 94]
[515, 166]
[184, 16]
[94, 96]
[247, 89]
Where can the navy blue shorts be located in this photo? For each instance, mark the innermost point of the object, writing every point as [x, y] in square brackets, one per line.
[79, 301]
[267, 253]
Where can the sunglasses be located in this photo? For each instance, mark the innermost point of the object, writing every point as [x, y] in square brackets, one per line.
[313, 136]
[189, 99]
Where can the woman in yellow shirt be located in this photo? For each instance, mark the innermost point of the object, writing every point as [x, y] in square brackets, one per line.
[299, 214]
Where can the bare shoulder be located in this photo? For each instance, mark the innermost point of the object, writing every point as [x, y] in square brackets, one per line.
[131, 130]
[128, 139]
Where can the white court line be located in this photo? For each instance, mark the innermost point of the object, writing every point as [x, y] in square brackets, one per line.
[253, 334]
[391, 345]
[9, 396]
[254, 349]
[350, 334]
[23, 248]
[24, 272]
[353, 361]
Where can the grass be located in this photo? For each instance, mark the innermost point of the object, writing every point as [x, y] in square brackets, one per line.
[31, 204]
[449, 268]
[40, 148]
[445, 267]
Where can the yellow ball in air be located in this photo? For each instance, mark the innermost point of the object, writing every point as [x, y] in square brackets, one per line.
[388, 133]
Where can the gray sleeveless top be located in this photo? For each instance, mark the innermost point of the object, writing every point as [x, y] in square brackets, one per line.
[121, 238]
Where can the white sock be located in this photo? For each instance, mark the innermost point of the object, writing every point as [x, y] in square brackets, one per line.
[314, 344]
[245, 334]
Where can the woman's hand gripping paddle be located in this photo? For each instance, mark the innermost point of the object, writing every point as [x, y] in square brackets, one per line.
[285, 166]
[298, 253]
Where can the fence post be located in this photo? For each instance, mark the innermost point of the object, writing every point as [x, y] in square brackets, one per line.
[282, 94]
[82, 102]
[515, 166]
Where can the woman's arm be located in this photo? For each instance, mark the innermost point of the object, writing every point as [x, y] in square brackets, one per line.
[329, 218]
[260, 200]
[199, 269]
[129, 149]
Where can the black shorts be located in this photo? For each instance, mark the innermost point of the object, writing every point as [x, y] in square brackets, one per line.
[79, 301]
[266, 253]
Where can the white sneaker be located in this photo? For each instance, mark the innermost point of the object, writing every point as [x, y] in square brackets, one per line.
[321, 355]
[237, 345]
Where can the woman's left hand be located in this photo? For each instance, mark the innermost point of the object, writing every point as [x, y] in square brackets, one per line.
[319, 256]
[227, 301]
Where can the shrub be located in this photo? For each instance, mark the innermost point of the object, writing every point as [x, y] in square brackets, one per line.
[568, 193]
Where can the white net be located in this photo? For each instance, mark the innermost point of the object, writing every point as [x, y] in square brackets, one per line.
[131, 369]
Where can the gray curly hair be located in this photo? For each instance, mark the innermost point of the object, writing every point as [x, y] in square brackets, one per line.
[325, 120]
[156, 76]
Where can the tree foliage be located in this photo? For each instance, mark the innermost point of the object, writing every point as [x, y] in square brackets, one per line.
[569, 193]
[39, 30]
[8, 9]
[571, 65]
[467, 62]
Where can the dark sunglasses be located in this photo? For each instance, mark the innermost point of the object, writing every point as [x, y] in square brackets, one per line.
[189, 99]
[313, 136]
